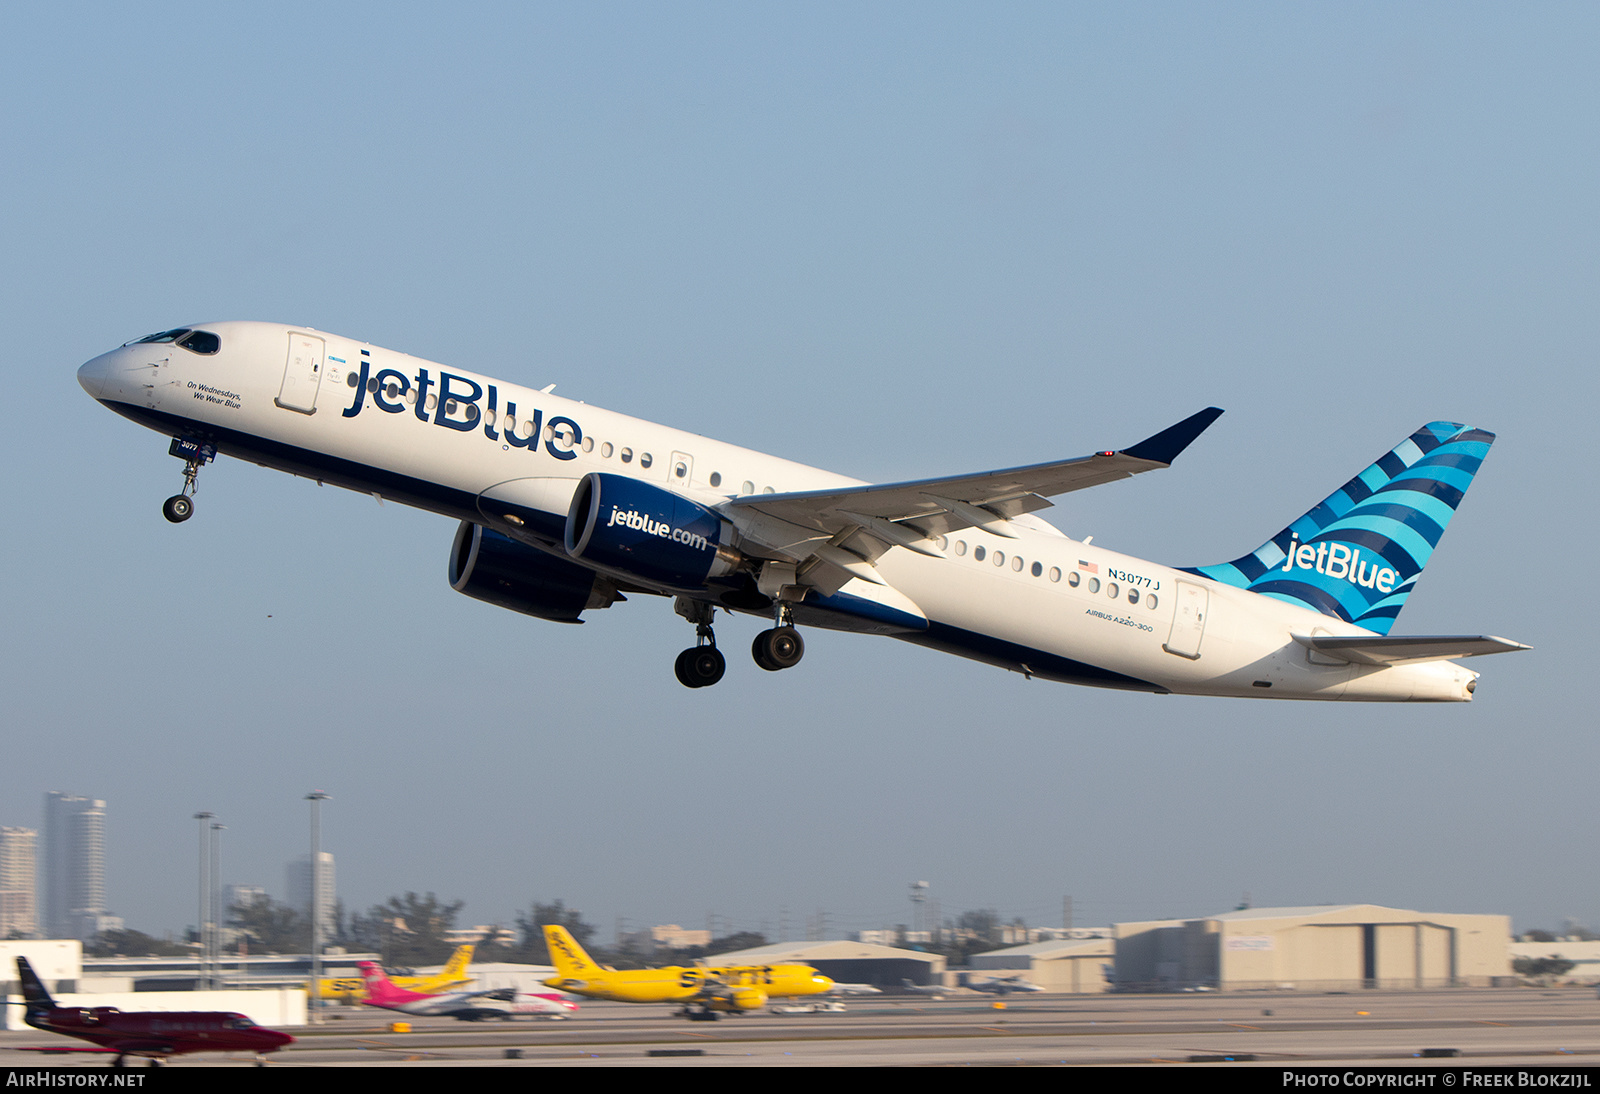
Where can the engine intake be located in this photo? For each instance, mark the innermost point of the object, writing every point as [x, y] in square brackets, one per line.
[647, 532]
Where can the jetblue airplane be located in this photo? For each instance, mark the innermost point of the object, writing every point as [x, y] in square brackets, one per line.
[567, 508]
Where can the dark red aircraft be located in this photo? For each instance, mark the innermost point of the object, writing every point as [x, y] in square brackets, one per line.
[156, 1034]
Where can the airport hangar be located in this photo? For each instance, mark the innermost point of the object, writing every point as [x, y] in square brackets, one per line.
[1323, 948]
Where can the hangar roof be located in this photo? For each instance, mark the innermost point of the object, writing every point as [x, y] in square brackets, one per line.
[821, 951]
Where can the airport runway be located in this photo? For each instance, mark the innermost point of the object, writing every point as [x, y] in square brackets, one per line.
[1523, 1027]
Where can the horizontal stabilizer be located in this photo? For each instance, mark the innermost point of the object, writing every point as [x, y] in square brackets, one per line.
[1372, 650]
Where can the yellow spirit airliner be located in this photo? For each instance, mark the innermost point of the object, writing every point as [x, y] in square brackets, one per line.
[702, 990]
[566, 508]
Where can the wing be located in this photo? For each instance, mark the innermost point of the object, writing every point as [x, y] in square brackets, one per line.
[833, 535]
[1373, 650]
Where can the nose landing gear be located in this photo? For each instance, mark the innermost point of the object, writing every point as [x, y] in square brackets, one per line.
[180, 507]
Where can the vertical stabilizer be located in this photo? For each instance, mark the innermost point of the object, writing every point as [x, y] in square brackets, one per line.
[34, 993]
[569, 958]
[1358, 555]
[456, 967]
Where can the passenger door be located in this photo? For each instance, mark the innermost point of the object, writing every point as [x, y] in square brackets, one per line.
[302, 373]
[1188, 621]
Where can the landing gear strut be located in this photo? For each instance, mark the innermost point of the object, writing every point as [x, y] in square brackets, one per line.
[702, 664]
[180, 507]
[781, 647]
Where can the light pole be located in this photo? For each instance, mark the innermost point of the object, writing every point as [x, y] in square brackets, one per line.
[205, 887]
[214, 951]
[316, 798]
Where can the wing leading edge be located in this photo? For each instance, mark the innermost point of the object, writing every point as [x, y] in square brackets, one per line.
[846, 531]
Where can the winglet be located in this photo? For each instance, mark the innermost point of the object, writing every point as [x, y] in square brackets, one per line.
[1165, 446]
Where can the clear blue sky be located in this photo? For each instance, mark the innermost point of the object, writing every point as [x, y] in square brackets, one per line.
[892, 240]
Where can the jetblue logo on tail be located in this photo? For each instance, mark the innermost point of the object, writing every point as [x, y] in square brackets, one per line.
[1358, 554]
[1339, 562]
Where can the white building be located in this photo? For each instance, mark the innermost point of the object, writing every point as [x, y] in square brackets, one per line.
[19, 908]
[75, 867]
[298, 874]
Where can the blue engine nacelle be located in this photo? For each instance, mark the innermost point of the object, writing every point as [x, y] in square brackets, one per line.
[497, 569]
[646, 532]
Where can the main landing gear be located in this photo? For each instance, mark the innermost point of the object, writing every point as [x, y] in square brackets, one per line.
[781, 647]
[702, 664]
[180, 507]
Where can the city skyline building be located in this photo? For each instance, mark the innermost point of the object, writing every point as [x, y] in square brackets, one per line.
[19, 905]
[298, 876]
[75, 867]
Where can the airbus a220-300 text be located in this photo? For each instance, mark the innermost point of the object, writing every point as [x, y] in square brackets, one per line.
[567, 508]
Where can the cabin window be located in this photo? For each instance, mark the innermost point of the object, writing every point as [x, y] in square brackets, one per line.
[1055, 574]
[979, 551]
[645, 459]
[961, 547]
[1016, 562]
[1094, 584]
[766, 489]
[1074, 578]
[1133, 596]
[606, 450]
[1150, 601]
[1038, 569]
[354, 381]
[588, 446]
[716, 478]
[680, 470]
[999, 558]
[627, 455]
[748, 487]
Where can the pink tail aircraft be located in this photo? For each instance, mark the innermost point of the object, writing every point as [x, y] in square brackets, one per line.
[469, 1006]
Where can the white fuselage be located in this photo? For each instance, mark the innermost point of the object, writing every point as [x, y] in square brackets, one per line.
[1015, 606]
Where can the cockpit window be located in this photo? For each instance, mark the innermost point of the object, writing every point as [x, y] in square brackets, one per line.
[196, 341]
[201, 341]
[164, 336]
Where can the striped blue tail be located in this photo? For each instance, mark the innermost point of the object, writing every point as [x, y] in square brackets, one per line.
[1358, 555]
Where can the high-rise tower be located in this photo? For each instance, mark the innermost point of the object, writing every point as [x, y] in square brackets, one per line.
[75, 867]
[19, 908]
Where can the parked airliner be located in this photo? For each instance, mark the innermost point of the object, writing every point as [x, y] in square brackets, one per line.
[567, 508]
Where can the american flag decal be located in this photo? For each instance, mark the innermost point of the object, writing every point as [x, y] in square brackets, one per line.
[1088, 567]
